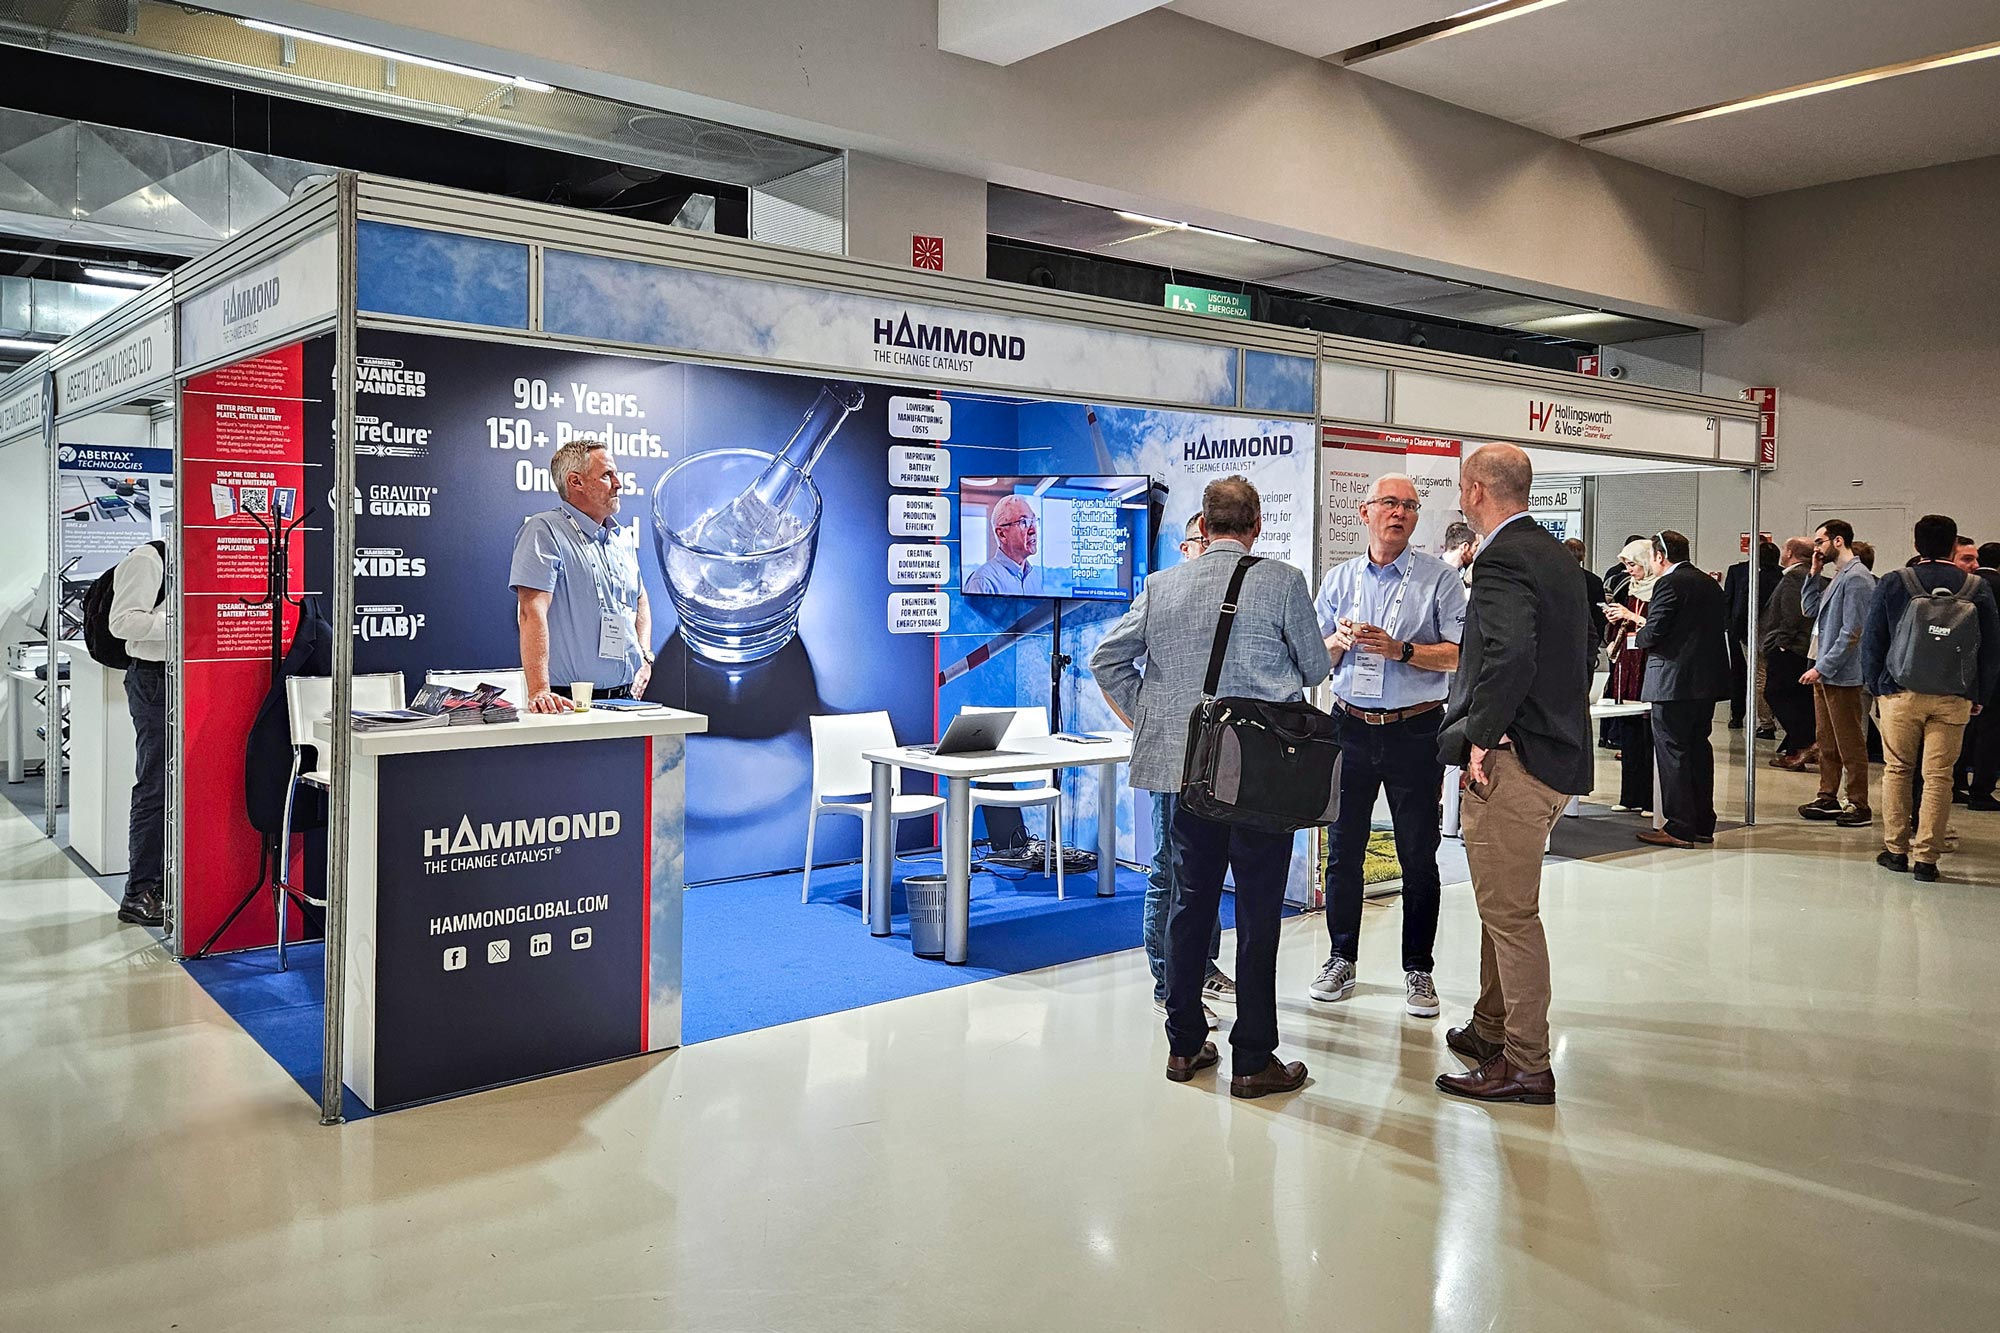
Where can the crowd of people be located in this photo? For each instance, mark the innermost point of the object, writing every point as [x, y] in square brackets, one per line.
[1482, 661]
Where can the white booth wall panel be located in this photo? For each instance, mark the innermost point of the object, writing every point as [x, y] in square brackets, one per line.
[1739, 440]
[1643, 503]
[126, 430]
[24, 534]
[1476, 408]
[1353, 393]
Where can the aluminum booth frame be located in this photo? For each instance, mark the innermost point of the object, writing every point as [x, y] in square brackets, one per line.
[320, 247]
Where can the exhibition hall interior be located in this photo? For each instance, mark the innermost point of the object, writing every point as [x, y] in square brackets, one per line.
[999, 664]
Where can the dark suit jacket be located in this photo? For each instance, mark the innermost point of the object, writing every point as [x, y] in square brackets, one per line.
[1687, 657]
[267, 750]
[1524, 663]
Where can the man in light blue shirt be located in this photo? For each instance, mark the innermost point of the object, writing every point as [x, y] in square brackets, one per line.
[583, 611]
[1392, 620]
[1014, 529]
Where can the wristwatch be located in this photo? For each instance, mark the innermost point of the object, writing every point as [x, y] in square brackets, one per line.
[646, 656]
[1409, 651]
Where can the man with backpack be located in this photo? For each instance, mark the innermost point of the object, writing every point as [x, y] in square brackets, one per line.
[1930, 653]
[128, 629]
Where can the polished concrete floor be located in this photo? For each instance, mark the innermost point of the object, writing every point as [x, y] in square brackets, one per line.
[1780, 1109]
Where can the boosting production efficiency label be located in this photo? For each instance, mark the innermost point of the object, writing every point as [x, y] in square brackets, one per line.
[920, 418]
[919, 612]
[924, 469]
[919, 516]
[923, 563]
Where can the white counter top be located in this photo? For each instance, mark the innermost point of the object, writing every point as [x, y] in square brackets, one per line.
[1025, 755]
[599, 724]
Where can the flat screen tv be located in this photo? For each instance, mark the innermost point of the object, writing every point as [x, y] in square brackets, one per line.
[1078, 537]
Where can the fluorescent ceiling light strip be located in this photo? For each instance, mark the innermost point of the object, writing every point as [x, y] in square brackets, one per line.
[23, 345]
[1164, 224]
[401, 57]
[129, 276]
[1466, 20]
[1792, 94]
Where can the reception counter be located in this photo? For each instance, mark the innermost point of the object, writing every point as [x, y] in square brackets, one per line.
[514, 899]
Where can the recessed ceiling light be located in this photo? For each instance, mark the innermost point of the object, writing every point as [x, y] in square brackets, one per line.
[401, 57]
[1465, 20]
[1792, 94]
[1145, 221]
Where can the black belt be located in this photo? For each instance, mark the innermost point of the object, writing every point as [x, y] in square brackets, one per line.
[1382, 717]
[612, 692]
[146, 662]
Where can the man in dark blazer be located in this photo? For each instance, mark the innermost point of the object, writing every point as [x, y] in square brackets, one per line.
[1687, 670]
[1519, 725]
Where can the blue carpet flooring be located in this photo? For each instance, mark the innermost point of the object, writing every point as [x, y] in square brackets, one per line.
[754, 957]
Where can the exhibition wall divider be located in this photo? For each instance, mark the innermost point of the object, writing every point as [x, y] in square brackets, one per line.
[402, 360]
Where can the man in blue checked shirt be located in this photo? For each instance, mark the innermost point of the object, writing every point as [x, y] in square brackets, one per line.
[1392, 620]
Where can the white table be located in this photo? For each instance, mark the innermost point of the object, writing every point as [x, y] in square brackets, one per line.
[513, 898]
[1599, 712]
[1026, 755]
[103, 764]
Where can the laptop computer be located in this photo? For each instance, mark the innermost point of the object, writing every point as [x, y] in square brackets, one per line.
[971, 733]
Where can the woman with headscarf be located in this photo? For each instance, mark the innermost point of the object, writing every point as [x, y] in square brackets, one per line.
[1634, 735]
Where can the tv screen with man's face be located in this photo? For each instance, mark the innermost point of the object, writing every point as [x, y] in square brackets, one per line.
[1066, 537]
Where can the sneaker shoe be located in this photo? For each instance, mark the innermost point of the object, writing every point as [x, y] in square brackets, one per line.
[1821, 807]
[1219, 987]
[1896, 861]
[1855, 816]
[1924, 872]
[1335, 980]
[1420, 997]
[1160, 1008]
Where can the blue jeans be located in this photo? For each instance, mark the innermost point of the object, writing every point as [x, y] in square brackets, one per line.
[1160, 895]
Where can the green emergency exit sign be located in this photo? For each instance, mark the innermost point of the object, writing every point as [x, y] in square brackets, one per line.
[1203, 301]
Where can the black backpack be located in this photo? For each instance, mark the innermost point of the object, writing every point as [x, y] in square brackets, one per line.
[102, 644]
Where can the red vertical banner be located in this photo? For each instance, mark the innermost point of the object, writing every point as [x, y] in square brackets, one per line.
[1765, 396]
[242, 466]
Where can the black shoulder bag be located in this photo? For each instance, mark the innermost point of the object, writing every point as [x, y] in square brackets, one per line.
[1263, 765]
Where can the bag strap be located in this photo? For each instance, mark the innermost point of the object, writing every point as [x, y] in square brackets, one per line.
[1910, 581]
[1224, 624]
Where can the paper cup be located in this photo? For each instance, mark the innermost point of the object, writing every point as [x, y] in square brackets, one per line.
[579, 694]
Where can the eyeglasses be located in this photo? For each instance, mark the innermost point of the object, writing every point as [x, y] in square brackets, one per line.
[1407, 506]
[1027, 523]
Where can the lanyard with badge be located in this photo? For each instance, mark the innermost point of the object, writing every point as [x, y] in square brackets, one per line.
[1371, 669]
[610, 622]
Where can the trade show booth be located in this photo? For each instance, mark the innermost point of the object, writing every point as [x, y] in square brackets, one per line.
[850, 490]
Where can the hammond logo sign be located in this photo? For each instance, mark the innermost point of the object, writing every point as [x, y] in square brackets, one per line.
[1244, 446]
[277, 297]
[1566, 422]
[470, 846]
[904, 342]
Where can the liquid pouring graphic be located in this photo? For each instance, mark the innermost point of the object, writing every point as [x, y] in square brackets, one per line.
[736, 531]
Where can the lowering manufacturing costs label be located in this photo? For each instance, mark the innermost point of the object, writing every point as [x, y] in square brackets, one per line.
[924, 469]
[919, 516]
[919, 612]
[919, 419]
[919, 563]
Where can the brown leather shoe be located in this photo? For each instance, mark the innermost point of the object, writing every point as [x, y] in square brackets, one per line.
[1659, 837]
[1181, 1068]
[1499, 1081]
[1468, 1043]
[1277, 1076]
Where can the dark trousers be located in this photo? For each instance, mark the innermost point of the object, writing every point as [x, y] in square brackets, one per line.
[1203, 851]
[146, 700]
[1790, 701]
[1401, 758]
[1979, 757]
[1687, 765]
[1635, 764]
[1739, 677]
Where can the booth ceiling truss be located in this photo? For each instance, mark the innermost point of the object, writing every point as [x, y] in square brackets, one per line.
[307, 269]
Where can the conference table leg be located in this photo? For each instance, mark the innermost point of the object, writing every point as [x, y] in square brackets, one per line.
[957, 867]
[1107, 830]
[881, 845]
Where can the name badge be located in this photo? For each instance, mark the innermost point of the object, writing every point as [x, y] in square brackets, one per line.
[1369, 670]
[610, 635]
[1631, 643]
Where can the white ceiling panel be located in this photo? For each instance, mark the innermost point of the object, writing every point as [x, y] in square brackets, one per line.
[1919, 120]
[1592, 64]
[1318, 27]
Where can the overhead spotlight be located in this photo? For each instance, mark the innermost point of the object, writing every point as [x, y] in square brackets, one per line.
[1418, 340]
[1303, 322]
[1041, 275]
[1510, 354]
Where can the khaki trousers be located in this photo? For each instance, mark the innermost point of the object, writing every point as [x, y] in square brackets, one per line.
[1766, 719]
[1506, 824]
[1840, 729]
[1933, 725]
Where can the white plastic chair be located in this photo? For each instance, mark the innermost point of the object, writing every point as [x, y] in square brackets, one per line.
[1028, 723]
[307, 700]
[513, 682]
[838, 740]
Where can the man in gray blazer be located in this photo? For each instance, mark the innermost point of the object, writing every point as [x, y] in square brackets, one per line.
[1151, 668]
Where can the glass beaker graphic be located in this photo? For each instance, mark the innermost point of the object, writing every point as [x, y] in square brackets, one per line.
[736, 531]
